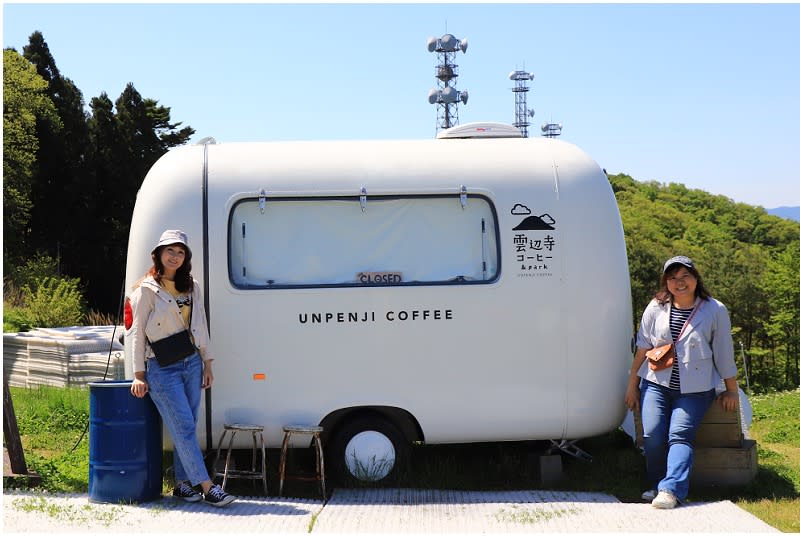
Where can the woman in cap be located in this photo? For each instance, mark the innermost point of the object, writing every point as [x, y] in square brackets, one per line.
[167, 302]
[674, 400]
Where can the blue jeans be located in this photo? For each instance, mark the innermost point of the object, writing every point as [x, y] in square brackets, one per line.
[175, 390]
[670, 421]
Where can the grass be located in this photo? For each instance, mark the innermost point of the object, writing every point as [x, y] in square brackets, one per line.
[83, 514]
[52, 421]
[527, 515]
[774, 495]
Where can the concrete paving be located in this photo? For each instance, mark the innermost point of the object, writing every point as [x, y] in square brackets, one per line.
[376, 510]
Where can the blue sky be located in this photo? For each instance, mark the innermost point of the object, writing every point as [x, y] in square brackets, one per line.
[705, 95]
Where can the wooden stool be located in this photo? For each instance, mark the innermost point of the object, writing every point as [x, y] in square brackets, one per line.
[314, 432]
[257, 433]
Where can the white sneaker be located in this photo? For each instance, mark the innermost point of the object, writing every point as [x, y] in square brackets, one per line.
[665, 500]
[649, 495]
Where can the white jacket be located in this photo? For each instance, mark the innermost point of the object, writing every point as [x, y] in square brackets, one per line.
[156, 315]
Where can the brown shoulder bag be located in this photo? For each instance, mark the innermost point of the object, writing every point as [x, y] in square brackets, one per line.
[662, 357]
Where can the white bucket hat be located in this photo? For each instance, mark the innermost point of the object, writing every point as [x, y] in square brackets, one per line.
[173, 236]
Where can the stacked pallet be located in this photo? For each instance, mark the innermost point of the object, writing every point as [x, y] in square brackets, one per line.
[62, 356]
[15, 360]
[94, 366]
[723, 455]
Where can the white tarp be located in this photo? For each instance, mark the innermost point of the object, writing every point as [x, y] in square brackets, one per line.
[70, 356]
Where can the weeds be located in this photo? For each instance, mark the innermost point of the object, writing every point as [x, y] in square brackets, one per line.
[371, 471]
[51, 421]
[54, 302]
[95, 318]
[531, 516]
[37, 294]
[85, 514]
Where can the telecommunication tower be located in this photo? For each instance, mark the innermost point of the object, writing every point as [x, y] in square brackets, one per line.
[551, 130]
[445, 95]
[520, 91]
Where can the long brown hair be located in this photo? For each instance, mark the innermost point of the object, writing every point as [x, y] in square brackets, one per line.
[183, 275]
[664, 295]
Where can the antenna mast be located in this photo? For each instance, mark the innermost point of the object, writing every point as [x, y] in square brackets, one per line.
[520, 91]
[445, 96]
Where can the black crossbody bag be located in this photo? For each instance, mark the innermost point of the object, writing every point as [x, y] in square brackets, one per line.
[172, 349]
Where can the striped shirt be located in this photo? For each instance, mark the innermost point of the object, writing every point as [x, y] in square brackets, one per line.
[677, 318]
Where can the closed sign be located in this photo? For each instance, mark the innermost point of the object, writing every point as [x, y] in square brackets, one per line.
[379, 277]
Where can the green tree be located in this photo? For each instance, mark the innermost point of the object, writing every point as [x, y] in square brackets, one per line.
[735, 278]
[83, 190]
[24, 103]
[61, 157]
[125, 139]
[783, 292]
[730, 242]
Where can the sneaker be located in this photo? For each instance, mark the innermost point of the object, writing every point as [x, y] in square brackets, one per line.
[216, 496]
[649, 495]
[186, 492]
[665, 500]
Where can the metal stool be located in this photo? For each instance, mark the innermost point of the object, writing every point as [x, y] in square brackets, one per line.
[257, 433]
[314, 432]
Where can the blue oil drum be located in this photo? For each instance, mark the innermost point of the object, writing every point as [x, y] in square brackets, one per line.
[124, 445]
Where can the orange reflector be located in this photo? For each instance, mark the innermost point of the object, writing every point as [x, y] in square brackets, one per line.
[259, 376]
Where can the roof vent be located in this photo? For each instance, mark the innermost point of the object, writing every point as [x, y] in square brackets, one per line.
[481, 130]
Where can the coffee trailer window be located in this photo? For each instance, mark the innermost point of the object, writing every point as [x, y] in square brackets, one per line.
[346, 241]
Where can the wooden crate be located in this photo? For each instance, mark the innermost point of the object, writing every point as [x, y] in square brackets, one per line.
[720, 428]
[725, 466]
[722, 456]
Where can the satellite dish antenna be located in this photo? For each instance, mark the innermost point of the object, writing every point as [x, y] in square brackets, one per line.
[551, 130]
[449, 94]
[449, 42]
[464, 45]
[433, 96]
[464, 96]
[431, 44]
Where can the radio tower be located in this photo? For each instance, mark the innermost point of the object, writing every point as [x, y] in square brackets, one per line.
[520, 90]
[551, 130]
[445, 96]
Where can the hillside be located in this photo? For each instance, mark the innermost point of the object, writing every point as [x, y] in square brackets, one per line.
[749, 259]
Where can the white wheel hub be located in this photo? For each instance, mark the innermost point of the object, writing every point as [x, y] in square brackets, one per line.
[370, 456]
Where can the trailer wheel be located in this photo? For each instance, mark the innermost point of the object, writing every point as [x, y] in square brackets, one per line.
[367, 449]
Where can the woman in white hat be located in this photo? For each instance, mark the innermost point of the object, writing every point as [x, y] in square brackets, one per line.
[169, 342]
[675, 396]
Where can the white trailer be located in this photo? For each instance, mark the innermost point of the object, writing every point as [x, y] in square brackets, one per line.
[469, 288]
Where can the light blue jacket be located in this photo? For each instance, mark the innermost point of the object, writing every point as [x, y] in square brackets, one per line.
[704, 352]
